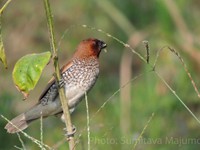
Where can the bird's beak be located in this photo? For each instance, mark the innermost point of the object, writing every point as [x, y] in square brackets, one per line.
[103, 45]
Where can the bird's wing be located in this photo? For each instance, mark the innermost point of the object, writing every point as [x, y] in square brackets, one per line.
[66, 66]
[50, 83]
[51, 90]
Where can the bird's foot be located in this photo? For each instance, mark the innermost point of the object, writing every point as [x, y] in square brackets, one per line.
[70, 134]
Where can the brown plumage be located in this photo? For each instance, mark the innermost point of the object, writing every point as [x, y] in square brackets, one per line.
[78, 76]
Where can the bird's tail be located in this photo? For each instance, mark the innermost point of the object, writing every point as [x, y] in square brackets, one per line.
[22, 121]
[17, 124]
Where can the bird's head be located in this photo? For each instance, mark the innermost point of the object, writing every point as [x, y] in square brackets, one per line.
[89, 48]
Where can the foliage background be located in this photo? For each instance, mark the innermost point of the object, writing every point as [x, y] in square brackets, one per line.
[25, 31]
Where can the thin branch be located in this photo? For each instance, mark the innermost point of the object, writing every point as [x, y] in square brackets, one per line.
[4, 6]
[180, 100]
[146, 44]
[186, 70]
[141, 134]
[157, 56]
[62, 96]
[88, 120]
[21, 141]
[18, 147]
[41, 130]
[27, 136]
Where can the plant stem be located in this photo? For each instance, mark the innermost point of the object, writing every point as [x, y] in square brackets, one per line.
[62, 96]
[88, 120]
[4, 6]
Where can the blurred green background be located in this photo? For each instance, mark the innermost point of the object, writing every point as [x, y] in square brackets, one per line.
[126, 113]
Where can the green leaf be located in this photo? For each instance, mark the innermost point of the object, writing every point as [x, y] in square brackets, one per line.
[2, 50]
[27, 71]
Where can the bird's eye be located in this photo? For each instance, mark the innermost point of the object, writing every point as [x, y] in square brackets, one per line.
[95, 45]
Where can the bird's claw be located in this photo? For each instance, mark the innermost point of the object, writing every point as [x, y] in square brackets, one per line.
[70, 134]
[61, 83]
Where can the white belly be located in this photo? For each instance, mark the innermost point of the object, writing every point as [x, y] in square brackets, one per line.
[74, 94]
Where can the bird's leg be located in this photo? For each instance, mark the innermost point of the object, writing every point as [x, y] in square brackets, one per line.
[70, 134]
[67, 133]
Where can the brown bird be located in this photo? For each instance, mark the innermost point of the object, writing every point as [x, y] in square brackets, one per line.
[78, 76]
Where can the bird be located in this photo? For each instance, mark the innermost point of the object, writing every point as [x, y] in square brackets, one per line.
[78, 76]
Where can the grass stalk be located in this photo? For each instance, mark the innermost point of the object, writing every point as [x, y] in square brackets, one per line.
[28, 136]
[21, 141]
[88, 120]
[41, 131]
[4, 6]
[141, 134]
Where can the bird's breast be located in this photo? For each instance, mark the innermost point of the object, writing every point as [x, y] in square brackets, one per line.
[79, 79]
